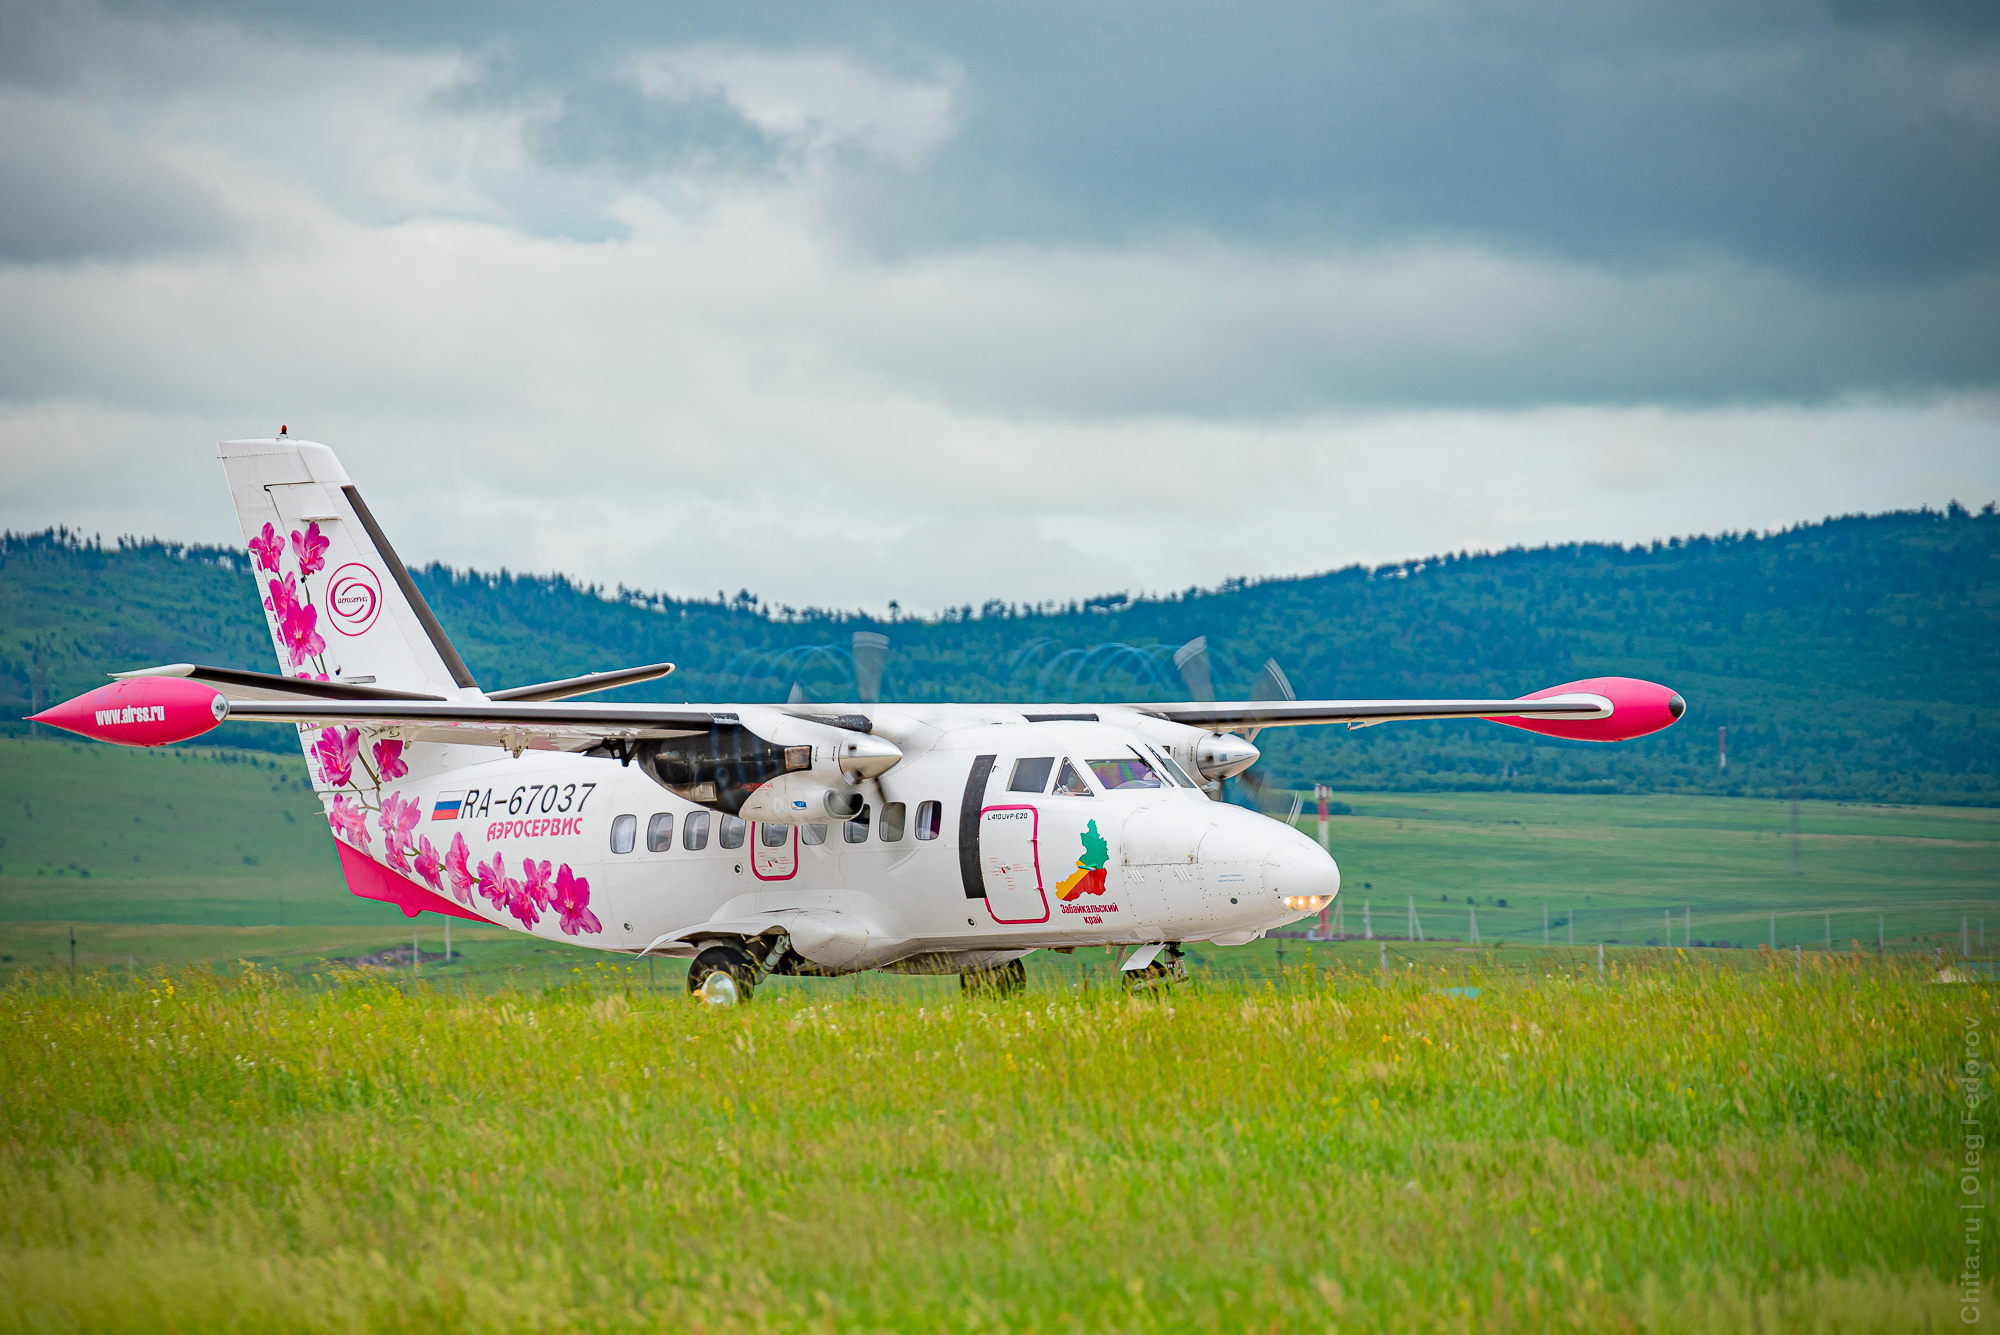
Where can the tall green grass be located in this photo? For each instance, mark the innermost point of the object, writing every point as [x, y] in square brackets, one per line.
[1671, 1149]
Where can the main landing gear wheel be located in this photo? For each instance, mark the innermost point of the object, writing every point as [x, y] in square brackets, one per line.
[1000, 981]
[723, 975]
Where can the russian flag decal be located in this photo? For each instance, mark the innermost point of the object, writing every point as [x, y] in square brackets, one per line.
[448, 805]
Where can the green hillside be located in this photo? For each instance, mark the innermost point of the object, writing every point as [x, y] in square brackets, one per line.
[1855, 658]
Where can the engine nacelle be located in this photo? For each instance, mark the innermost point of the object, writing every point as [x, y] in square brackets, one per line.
[800, 799]
[1223, 755]
[726, 767]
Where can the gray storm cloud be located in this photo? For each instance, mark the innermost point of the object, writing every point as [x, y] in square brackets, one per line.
[1128, 298]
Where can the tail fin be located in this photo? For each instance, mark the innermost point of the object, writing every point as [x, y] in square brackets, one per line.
[339, 602]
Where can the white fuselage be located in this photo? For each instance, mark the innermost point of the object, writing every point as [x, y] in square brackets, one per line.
[970, 844]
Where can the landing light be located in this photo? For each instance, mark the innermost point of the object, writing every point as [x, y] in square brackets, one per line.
[1307, 903]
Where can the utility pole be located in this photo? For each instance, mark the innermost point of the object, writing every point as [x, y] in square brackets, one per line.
[1670, 928]
[1367, 927]
[1600, 961]
[1472, 924]
[1799, 864]
[1416, 924]
[1722, 750]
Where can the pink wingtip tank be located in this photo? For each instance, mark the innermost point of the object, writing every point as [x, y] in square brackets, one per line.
[1637, 708]
[144, 711]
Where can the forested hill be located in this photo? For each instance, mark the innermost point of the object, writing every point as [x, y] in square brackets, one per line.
[1855, 658]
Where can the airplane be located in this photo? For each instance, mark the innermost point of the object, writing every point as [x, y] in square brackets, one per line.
[757, 840]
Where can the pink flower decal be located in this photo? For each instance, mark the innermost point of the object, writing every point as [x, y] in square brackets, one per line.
[310, 548]
[503, 891]
[428, 865]
[398, 821]
[284, 596]
[335, 751]
[267, 548]
[456, 866]
[296, 631]
[389, 760]
[571, 902]
[536, 882]
[349, 821]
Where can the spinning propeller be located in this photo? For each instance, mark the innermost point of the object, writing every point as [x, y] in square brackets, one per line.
[1272, 684]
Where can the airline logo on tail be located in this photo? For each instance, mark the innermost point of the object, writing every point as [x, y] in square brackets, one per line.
[353, 599]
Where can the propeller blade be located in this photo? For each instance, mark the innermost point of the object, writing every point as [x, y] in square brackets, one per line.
[1192, 660]
[1260, 796]
[870, 649]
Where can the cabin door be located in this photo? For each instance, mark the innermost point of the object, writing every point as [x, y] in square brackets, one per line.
[1010, 864]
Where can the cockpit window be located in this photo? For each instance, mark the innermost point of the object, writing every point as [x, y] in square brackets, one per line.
[1126, 772]
[1031, 775]
[1173, 767]
[1071, 784]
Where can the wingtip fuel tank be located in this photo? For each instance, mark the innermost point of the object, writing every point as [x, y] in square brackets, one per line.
[143, 711]
[1631, 708]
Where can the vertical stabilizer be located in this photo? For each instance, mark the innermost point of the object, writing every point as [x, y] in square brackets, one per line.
[339, 603]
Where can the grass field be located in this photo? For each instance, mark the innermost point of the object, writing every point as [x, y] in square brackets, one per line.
[1677, 1147]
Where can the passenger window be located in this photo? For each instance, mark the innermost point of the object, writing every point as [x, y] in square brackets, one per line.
[928, 815]
[776, 836]
[1031, 775]
[1070, 784]
[624, 830]
[813, 834]
[694, 832]
[660, 832]
[857, 829]
[893, 817]
[732, 831]
[1124, 772]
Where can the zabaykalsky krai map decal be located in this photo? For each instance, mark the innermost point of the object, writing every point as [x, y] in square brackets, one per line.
[1088, 878]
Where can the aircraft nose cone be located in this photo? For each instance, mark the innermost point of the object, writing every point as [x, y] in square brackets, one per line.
[1302, 875]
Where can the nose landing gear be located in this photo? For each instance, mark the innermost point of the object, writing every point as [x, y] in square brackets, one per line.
[1166, 968]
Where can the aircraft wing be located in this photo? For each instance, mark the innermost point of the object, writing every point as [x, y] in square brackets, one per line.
[1227, 715]
[523, 716]
[511, 723]
[1598, 709]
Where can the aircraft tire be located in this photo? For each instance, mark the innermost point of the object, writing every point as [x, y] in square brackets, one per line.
[732, 960]
[1001, 981]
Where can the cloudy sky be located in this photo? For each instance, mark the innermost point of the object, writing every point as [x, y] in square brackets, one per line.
[939, 302]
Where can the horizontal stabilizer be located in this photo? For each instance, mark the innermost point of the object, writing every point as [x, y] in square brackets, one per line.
[584, 685]
[238, 684]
